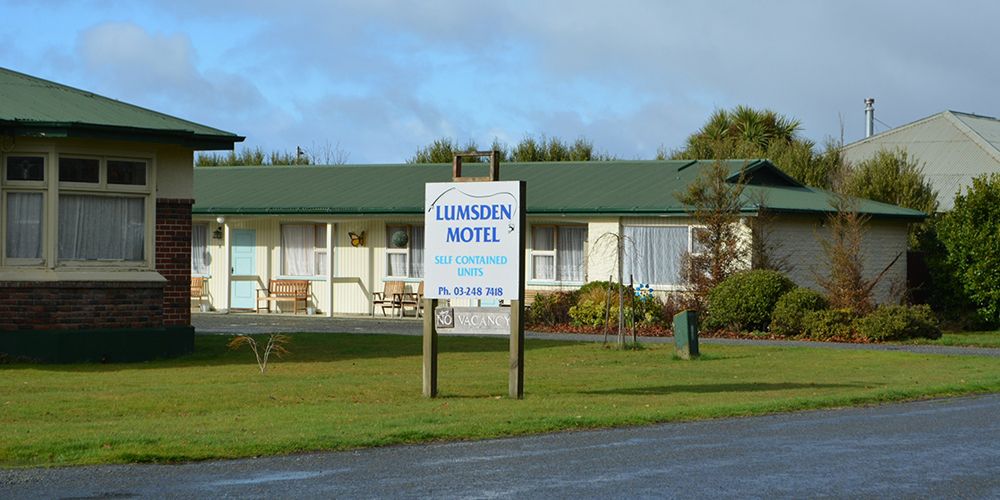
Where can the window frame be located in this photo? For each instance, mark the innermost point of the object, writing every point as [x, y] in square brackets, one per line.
[52, 191]
[631, 258]
[319, 252]
[554, 253]
[407, 251]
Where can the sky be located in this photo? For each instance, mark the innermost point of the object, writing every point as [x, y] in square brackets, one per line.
[377, 80]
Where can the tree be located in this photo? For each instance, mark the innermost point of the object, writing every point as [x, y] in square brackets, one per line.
[555, 150]
[844, 277]
[745, 133]
[528, 150]
[892, 177]
[716, 204]
[251, 157]
[443, 150]
[971, 234]
[326, 154]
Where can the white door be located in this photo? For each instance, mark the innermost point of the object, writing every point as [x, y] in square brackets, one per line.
[243, 292]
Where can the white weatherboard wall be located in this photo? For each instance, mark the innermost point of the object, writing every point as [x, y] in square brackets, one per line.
[882, 243]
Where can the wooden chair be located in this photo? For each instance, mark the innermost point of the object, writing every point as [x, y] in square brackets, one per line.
[414, 300]
[295, 291]
[197, 288]
[389, 297]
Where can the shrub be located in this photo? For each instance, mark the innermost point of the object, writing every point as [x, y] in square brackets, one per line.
[899, 323]
[592, 313]
[791, 309]
[746, 300]
[969, 232]
[550, 309]
[603, 286]
[829, 324]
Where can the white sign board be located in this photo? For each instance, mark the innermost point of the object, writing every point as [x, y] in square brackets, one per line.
[471, 240]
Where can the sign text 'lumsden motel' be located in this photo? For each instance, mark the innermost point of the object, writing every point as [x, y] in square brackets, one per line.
[471, 240]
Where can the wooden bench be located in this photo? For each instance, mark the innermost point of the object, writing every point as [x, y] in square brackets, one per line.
[390, 297]
[296, 291]
[197, 288]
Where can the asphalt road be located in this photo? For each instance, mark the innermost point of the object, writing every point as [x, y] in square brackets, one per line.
[931, 449]
[944, 448]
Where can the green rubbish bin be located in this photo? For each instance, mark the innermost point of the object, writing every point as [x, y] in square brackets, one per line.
[686, 334]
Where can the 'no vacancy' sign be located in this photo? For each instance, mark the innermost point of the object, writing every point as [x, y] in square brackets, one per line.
[471, 240]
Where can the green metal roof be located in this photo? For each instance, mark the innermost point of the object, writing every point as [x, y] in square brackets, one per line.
[620, 188]
[32, 107]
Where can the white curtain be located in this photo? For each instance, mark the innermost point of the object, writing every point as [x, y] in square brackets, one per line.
[24, 225]
[653, 254]
[543, 264]
[570, 252]
[417, 251]
[101, 227]
[320, 249]
[396, 263]
[199, 249]
[298, 250]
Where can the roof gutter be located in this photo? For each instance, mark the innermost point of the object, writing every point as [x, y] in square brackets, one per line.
[183, 137]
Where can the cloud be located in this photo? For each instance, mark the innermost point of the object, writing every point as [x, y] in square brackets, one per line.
[160, 71]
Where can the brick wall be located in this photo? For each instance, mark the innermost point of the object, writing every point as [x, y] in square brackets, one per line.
[72, 305]
[173, 258]
[66, 305]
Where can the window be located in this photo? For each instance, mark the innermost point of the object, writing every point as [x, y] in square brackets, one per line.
[199, 249]
[404, 251]
[24, 225]
[97, 211]
[303, 250]
[557, 253]
[98, 219]
[653, 254]
[697, 236]
[101, 227]
[24, 210]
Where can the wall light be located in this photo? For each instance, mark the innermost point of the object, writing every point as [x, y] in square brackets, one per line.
[217, 234]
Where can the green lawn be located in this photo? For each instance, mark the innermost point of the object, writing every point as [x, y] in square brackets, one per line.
[341, 391]
[966, 339]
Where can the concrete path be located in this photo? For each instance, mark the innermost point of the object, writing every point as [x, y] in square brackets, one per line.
[234, 324]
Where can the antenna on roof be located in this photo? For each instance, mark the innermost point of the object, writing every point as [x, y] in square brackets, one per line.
[869, 118]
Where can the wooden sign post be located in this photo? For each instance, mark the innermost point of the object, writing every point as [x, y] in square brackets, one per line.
[474, 249]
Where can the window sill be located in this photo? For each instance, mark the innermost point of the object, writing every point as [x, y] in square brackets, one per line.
[81, 275]
[556, 283]
[301, 278]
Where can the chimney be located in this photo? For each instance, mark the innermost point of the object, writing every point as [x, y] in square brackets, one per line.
[869, 118]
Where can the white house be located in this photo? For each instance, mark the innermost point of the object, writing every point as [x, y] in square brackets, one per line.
[334, 226]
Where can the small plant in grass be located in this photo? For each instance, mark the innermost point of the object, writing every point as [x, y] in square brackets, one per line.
[275, 344]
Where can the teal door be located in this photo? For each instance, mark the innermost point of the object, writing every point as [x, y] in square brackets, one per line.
[243, 292]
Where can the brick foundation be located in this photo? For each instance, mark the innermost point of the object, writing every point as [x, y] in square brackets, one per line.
[62, 305]
[72, 321]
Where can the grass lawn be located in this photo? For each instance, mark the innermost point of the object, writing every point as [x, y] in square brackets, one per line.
[341, 391]
[966, 339]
